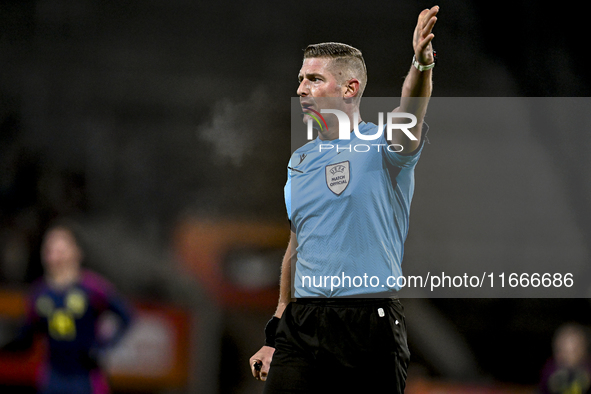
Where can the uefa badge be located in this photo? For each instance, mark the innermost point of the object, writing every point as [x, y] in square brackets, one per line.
[338, 176]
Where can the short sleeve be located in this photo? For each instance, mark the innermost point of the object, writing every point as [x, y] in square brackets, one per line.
[404, 160]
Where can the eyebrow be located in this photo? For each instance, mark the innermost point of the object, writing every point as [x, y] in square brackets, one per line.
[308, 76]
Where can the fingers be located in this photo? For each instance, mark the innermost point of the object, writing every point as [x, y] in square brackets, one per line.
[255, 367]
[259, 369]
[427, 19]
[428, 13]
[264, 371]
[429, 26]
[260, 363]
[425, 42]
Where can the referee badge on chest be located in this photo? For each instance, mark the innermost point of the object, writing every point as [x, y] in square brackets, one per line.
[338, 176]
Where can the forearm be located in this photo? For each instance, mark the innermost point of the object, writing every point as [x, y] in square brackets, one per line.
[418, 83]
[285, 280]
[416, 92]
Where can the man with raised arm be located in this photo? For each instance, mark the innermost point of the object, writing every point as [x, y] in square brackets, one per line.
[343, 329]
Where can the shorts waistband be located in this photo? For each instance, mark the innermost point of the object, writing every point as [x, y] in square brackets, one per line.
[344, 301]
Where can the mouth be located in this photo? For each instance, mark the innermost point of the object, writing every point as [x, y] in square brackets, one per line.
[307, 107]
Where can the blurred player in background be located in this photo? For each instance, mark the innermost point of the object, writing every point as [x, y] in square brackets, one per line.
[66, 305]
[569, 370]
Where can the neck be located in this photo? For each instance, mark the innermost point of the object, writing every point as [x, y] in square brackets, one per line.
[64, 278]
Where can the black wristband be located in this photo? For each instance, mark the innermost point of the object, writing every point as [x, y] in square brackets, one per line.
[270, 330]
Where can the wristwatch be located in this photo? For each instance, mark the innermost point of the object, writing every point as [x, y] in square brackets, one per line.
[421, 67]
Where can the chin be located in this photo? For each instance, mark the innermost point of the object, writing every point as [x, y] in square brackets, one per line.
[305, 118]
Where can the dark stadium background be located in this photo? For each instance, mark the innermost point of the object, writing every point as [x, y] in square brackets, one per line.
[137, 117]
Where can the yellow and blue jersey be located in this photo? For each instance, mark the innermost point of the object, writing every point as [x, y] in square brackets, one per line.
[69, 319]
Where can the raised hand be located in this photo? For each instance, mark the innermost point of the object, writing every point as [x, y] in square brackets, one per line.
[423, 36]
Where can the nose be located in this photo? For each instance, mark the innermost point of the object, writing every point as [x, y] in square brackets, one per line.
[303, 88]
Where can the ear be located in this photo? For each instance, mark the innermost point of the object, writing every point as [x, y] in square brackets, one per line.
[351, 88]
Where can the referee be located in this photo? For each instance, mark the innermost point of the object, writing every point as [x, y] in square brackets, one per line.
[349, 214]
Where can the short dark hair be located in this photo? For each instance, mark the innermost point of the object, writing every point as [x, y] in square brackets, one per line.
[347, 59]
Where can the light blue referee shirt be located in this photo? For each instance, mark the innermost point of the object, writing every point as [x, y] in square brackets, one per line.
[349, 207]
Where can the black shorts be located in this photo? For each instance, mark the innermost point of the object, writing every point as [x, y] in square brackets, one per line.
[340, 345]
